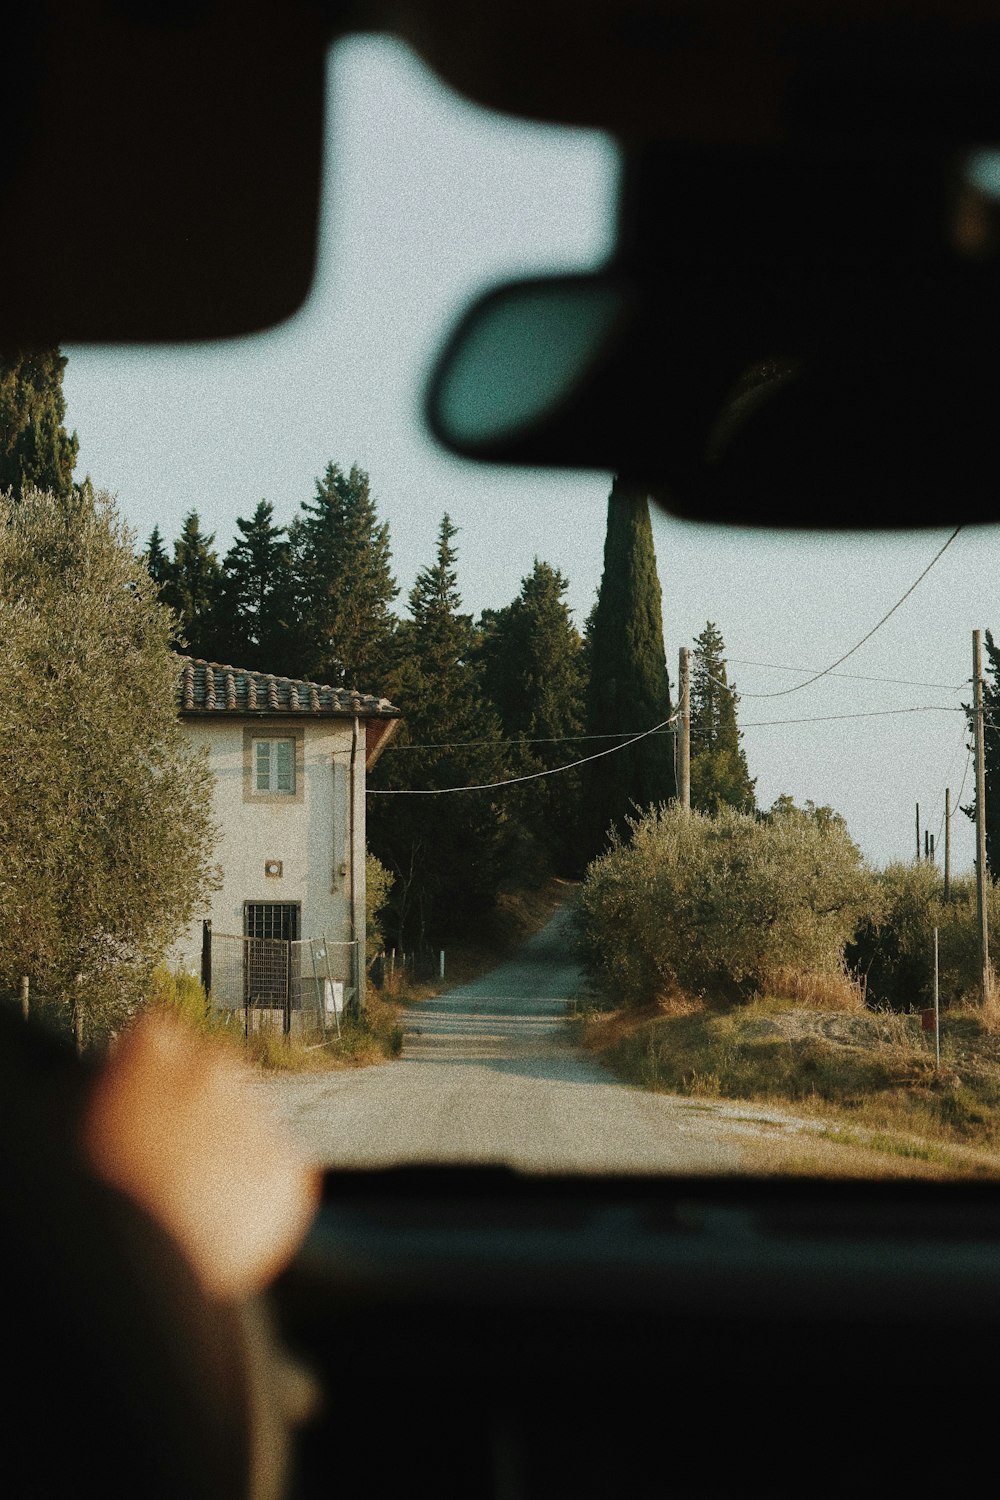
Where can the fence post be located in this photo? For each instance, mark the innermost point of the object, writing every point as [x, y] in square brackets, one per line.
[24, 996]
[206, 957]
[937, 1008]
[288, 991]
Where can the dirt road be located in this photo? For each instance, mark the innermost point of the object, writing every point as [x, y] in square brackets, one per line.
[489, 1074]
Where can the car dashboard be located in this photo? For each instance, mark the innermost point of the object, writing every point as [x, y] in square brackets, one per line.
[477, 1332]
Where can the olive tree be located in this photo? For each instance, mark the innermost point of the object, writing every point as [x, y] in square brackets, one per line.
[105, 821]
[718, 906]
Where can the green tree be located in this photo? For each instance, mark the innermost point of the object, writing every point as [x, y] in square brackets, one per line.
[447, 853]
[724, 906]
[105, 827]
[193, 589]
[629, 689]
[344, 582]
[35, 448]
[720, 776]
[157, 559]
[257, 605]
[991, 755]
[533, 674]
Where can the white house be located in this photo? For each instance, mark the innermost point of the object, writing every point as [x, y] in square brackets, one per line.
[289, 759]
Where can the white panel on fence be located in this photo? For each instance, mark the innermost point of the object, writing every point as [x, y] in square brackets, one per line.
[333, 990]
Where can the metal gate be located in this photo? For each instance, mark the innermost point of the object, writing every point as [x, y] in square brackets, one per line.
[296, 985]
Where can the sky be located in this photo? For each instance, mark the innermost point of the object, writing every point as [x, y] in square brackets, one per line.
[427, 201]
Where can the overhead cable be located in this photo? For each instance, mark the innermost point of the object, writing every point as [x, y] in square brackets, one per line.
[773, 666]
[489, 786]
[784, 692]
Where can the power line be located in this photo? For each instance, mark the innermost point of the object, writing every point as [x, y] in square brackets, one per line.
[878, 713]
[784, 692]
[631, 735]
[489, 786]
[773, 666]
[947, 777]
[559, 739]
[968, 763]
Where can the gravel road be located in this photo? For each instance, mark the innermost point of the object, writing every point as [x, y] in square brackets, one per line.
[489, 1074]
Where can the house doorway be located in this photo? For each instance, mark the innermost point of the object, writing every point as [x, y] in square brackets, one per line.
[270, 959]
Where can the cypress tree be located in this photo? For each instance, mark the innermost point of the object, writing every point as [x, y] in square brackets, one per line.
[344, 582]
[629, 689]
[720, 776]
[447, 853]
[533, 673]
[35, 449]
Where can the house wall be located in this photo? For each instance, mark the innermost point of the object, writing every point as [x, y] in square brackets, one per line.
[310, 834]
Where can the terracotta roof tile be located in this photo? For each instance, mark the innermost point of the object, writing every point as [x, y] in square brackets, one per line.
[207, 687]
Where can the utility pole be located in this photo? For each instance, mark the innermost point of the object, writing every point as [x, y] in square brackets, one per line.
[984, 936]
[947, 843]
[684, 742]
[918, 832]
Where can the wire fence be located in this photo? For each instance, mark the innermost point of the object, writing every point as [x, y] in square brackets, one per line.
[393, 969]
[298, 987]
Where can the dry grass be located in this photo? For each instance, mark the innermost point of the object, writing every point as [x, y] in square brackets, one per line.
[866, 1080]
[989, 1011]
[375, 1037]
[849, 1152]
[817, 991]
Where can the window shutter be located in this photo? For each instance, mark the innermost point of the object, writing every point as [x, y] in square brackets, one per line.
[263, 765]
[285, 777]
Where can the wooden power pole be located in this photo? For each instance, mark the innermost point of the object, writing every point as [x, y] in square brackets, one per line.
[947, 843]
[984, 935]
[684, 726]
[918, 832]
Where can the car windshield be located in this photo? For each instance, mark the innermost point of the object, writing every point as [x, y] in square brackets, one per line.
[746, 986]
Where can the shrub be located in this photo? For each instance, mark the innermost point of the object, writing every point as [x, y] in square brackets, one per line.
[716, 906]
[894, 946]
[378, 884]
[179, 991]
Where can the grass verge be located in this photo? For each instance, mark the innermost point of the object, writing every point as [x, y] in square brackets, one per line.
[864, 1084]
[376, 1036]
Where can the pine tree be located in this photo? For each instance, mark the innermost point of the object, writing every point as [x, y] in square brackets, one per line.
[193, 589]
[629, 688]
[344, 582]
[157, 559]
[533, 673]
[257, 603]
[720, 776]
[35, 448]
[447, 853]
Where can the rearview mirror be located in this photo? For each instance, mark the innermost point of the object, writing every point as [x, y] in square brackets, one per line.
[842, 397]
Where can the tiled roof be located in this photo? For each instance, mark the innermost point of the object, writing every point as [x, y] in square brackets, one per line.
[206, 687]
